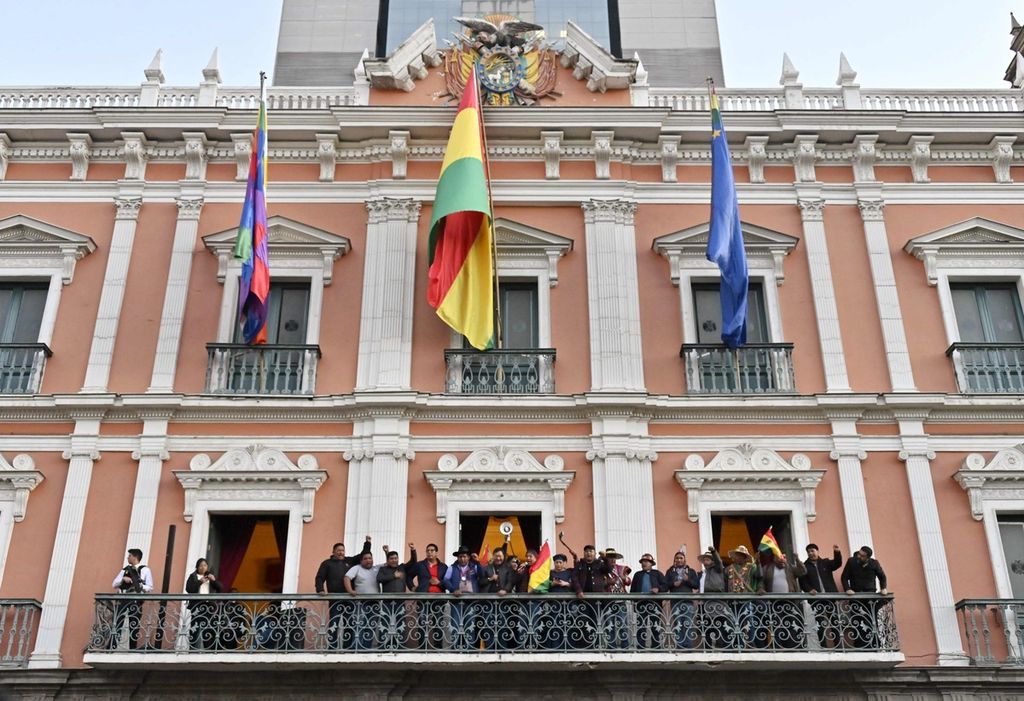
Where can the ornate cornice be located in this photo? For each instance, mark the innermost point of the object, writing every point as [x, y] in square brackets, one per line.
[17, 479]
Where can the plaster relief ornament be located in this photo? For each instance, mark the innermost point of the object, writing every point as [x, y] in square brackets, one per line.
[513, 63]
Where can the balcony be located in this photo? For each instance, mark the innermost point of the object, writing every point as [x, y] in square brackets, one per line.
[988, 368]
[426, 628]
[993, 630]
[18, 620]
[21, 367]
[499, 371]
[756, 368]
[235, 368]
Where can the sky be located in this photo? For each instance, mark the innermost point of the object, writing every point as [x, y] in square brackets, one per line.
[891, 43]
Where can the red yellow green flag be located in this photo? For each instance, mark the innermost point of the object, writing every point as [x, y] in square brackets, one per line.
[540, 571]
[460, 279]
[769, 544]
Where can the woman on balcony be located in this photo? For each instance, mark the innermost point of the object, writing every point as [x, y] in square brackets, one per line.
[202, 633]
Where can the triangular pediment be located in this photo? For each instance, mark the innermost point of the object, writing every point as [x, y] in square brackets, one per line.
[283, 232]
[975, 232]
[22, 230]
[511, 235]
[755, 238]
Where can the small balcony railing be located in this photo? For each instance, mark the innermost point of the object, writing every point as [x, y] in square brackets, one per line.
[993, 630]
[21, 367]
[18, 621]
[708, 626]
[500, 371]
[235, 368]
[756, 368]
[996, 368]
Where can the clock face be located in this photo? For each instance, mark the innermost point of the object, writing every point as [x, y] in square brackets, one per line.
[500, 72]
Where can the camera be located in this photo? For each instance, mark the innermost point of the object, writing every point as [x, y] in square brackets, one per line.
[134, 586]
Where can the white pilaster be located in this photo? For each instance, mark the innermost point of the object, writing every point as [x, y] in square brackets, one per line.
[101, 353]
[917, 455]
[385, 325]
[849, 453]
[168, 342]
[151, 455]
[826, 312]
[897, 354]
[616, 350]
[82, 454]
[623, 488]
[378, 474]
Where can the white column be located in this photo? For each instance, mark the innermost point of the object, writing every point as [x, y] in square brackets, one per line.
[623, 488]
[385, 325]
[917, 456]
[101, 354]
[64, 556]
[613, 296]
[893, 334]
[848, 453]
[378, 475]
[151, 455]
[812, 212]
[182, 252]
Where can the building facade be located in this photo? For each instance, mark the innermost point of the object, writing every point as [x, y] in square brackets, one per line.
[878, 401]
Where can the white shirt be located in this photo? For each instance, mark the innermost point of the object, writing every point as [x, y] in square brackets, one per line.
[364, 580]
[780, 583]
[144, 572]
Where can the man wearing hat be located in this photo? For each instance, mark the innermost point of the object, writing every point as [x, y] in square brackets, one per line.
[743, 576]
[680, 578]
[589, 575]
[615, 611]
[714, 614]
[648, 613]
[464, 576]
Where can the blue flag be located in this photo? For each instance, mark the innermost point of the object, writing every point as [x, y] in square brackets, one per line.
[725, 240]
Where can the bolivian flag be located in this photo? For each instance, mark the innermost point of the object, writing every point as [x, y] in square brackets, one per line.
[540, 571]
[460, 280]
[769, 544]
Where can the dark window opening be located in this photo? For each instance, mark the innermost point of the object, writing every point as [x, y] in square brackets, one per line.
[246, 551]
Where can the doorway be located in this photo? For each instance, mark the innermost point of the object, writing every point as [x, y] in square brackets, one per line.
[477, 531]
[247, 551]
[729, 531]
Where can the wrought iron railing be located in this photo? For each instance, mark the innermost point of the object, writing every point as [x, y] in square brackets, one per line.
[18, 621]
[756, 368]
[993, 630]
[235, 368]
[487, 624]
[500, 371]
[988, 367]
[21, 367]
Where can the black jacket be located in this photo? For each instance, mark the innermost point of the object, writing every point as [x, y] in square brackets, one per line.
[422, 574]
[687, 585]
[192, 584]
[819, 575]
[861, 578]
[332, 572]
[506, 579]
[392, 584]
[657, 581]
[597, 572]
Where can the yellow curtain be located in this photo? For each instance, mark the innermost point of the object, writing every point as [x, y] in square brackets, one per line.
[734, 534]
[494, 538]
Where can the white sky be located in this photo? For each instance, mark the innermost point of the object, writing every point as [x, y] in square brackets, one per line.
[891, 43]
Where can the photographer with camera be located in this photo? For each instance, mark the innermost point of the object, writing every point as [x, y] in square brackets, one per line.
[134, 578]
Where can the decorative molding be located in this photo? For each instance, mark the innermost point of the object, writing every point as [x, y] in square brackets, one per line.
[872, 210]
[668, 145]
[383, 209]
[1001, 148]
[521, 247]
[5, 154]
[551, 147]
[864, 153]
[1002, 478]
[497, 474]
[805, 155]
[592, 62]
[973, 244]
[291, 243]
[196, 155]
[407, 63]
[739, 472]
[609, 210]
[251, 474]
[399, 146]
[757, 155]
[920, 157]
[27, 243]
[811, 209]
[189, 207]
[134, 150]
[602, 142]
[327, 154]
[242, 150]
[79, 149]
[128, 207]
[17, 479]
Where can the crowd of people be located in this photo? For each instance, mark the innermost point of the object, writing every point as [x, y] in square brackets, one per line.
[503, 573]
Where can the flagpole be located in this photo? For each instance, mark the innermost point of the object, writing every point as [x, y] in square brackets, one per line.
[490, 201]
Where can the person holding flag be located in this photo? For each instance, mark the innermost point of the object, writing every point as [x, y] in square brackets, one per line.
[725, 238]
[251, 243]
[780, 575]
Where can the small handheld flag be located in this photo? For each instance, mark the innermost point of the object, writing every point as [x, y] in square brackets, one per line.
[251, 244]
[769, 544]
[485, 555]
[540, 571]
[725, 239]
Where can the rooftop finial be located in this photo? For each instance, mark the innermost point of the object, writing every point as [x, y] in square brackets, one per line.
[1014, 24]
[846, 73]
[789, 72]
[155, 72]
[211, 73]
